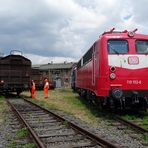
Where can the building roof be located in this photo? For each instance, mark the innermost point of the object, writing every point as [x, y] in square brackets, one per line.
[36, 66]
[54, 66]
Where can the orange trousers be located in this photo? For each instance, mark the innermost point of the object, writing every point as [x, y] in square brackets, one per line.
[33, 93]
[46, 92]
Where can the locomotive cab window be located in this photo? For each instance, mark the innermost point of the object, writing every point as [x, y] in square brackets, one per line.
[88, 56]
[117, 46]
[142, 46]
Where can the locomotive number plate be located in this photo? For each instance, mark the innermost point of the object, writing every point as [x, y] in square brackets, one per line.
[134, 82]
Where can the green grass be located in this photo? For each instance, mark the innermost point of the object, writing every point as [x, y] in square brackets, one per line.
[145, 137]
[129, 117]
[13, 144]
[22, 133]
[1, 98]
[66, 123]
[4, 109]
[28, 145]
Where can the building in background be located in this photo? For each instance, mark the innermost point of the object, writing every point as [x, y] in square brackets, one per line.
[58, 72]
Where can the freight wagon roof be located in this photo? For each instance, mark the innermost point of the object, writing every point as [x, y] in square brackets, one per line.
[55, 66]
[9, 56]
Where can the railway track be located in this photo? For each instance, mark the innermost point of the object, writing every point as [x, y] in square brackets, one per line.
[51, 130]
[120, 123]
[132, 125]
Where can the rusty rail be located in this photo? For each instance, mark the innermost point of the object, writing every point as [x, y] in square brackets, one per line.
[35, 137]
[131, 124]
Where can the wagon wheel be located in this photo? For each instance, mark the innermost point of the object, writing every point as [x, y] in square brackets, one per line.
[18, 92]
[100, 102]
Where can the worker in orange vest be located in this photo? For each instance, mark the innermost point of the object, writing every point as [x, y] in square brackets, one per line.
[46, 87]
[33, 89]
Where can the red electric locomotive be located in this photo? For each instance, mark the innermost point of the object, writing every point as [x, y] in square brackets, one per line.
[114, 71]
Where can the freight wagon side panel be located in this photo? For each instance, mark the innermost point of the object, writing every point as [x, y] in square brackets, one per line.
[15, 72]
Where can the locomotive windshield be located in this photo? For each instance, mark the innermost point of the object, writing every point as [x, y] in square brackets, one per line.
[142, 46]
[117, 46]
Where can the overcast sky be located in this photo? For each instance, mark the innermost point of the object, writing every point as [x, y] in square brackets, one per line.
[63, 30]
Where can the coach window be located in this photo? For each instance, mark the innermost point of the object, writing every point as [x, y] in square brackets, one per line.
[142, 46]
[117, 46]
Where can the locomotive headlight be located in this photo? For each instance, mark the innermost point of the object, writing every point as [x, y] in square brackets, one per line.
[2, 82]
[112, 69]
[112, 76]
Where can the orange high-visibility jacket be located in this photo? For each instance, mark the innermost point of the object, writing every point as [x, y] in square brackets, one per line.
[33, 86]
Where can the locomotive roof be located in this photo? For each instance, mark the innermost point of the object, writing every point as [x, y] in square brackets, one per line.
[124, 34]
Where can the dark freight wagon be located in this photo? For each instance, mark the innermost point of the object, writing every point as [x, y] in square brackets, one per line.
[15, 73]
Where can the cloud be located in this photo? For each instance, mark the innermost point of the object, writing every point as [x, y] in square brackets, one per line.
[64, 28]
